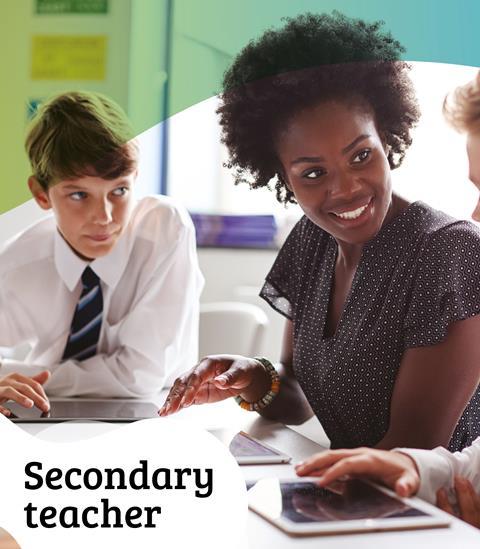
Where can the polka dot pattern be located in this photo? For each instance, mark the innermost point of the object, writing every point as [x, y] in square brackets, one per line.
[417, 276]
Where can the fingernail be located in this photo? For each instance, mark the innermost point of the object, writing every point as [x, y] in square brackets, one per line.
[28, 402]
[221, 379]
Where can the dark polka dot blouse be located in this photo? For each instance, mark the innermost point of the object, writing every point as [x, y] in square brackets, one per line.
[417, 276]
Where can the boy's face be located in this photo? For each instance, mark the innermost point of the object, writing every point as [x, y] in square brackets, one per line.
[91, 212]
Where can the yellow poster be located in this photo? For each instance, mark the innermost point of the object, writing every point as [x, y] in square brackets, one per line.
[69, 57]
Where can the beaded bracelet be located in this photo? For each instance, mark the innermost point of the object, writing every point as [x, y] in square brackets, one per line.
[269, 395]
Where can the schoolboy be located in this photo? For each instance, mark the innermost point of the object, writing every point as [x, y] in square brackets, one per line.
[106, 290]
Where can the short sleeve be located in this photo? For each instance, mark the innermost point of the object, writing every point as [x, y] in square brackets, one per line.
[446, 284]
[282, 284]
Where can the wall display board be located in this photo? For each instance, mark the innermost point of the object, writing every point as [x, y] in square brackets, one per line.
[53, 7]
[68, 57]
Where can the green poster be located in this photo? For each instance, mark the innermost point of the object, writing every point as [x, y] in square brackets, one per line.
[52, 7]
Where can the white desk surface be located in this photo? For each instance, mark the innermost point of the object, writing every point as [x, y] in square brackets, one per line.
[261, 534]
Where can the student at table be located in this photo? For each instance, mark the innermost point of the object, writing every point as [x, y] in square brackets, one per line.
[106, 290]
[414, 471]
[382, 315]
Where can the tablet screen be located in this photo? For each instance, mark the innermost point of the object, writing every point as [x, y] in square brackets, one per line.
[306, 502]
[245, 446]
[86, 409]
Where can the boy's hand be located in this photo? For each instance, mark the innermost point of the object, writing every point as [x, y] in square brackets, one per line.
[396, 470]
[468, 502]
[26, 391]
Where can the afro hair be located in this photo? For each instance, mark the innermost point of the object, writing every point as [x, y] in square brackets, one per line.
[312, 59]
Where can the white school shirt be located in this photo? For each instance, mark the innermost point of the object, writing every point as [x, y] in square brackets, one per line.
[438, 468]
[151, 285]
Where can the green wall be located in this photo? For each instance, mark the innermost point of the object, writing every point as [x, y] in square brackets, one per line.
[135, 72]
[205, 35]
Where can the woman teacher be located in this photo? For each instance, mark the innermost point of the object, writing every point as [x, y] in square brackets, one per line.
[381, 296]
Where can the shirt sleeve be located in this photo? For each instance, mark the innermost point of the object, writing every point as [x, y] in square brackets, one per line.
[14, 319]
[438, 468]
[281, 287]
[446, 286]
[158, 338]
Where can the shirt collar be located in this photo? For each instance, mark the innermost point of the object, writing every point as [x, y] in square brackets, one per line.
[69, 266]
[108, 268]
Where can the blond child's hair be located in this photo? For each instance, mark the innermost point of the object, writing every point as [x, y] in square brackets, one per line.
[79, 134]
[462, 107]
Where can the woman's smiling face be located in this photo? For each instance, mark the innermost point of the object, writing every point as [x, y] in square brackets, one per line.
[335, 163]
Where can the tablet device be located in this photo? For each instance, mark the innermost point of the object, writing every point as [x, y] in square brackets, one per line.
[301, 507]
[111, 410]
[248, 450]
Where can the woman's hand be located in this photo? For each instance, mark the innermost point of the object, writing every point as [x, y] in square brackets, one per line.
[26, 391]
[216, 378]
[468, 502]
[396, 470]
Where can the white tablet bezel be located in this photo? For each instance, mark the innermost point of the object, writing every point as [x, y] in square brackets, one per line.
[436, 518]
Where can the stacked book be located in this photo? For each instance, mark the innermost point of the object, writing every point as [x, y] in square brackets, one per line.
[236, 231]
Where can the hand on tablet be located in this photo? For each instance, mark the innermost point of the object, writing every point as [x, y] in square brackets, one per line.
[467, 499]
[26, 391]
[394, 469]
[216, 378]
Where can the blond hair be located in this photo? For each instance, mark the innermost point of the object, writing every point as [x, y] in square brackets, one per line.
[462, 107]
[76, 134]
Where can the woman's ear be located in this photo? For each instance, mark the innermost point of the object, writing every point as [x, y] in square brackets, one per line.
[39, 193]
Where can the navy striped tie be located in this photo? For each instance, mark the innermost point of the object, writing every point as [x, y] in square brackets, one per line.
[87, 320]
